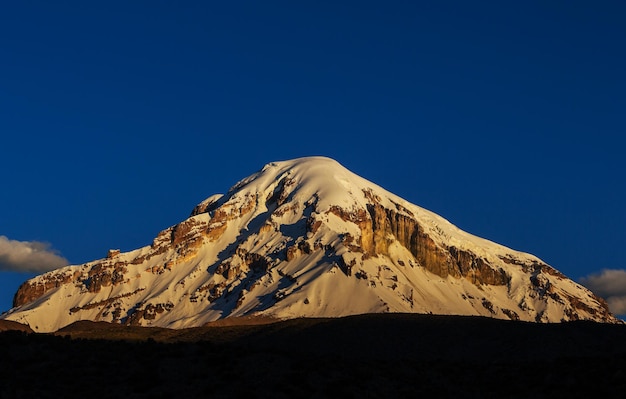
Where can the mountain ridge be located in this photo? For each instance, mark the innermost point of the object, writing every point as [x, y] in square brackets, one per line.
[305, 238]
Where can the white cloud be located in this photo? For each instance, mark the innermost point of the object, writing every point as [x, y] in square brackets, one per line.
[28, 256]
[610, 284]
[617, 304]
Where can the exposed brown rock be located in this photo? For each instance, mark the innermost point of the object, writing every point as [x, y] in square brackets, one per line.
[346, 266]
[216, 291]
[162, 239]
[511, 314]
[488, 305]
[312, 225]
[230, 211]
[403, 209]
[240, 299]
[181, 231]
[477, 270]
[215, 230]
[31, 289]
[287, 276]
[105, 302]
[282, 210]
[305, 247]
[361, 274]
[370, 195]
[113, 253]
[602, 311]
[149, 312]
[380, 226]
[281, 193]
[292, 253]
[254, 261]
[105, 274]
[205, 207]
[266, 228]
[227, 212]
[138, 260]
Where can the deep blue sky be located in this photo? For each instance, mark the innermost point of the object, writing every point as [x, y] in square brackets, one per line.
[507, 118]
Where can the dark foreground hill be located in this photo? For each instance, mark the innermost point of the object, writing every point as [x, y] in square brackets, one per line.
[361, 356]
[7, 325]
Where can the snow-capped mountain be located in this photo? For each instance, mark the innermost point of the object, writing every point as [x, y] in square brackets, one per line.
[305, 238]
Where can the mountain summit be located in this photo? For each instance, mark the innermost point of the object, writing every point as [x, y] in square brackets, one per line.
[305, 238]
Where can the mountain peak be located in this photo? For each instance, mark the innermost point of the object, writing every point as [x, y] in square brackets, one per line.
[305, 238]
[314, 175]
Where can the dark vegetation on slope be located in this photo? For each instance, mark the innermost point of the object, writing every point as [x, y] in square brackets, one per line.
[361, 356]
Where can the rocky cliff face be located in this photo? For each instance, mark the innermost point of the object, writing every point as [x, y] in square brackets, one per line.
[305, 238]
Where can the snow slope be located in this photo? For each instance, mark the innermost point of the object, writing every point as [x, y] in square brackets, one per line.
[304, 238]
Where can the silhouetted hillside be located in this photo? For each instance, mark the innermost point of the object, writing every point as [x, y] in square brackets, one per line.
[361, 356]
[7, 325]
